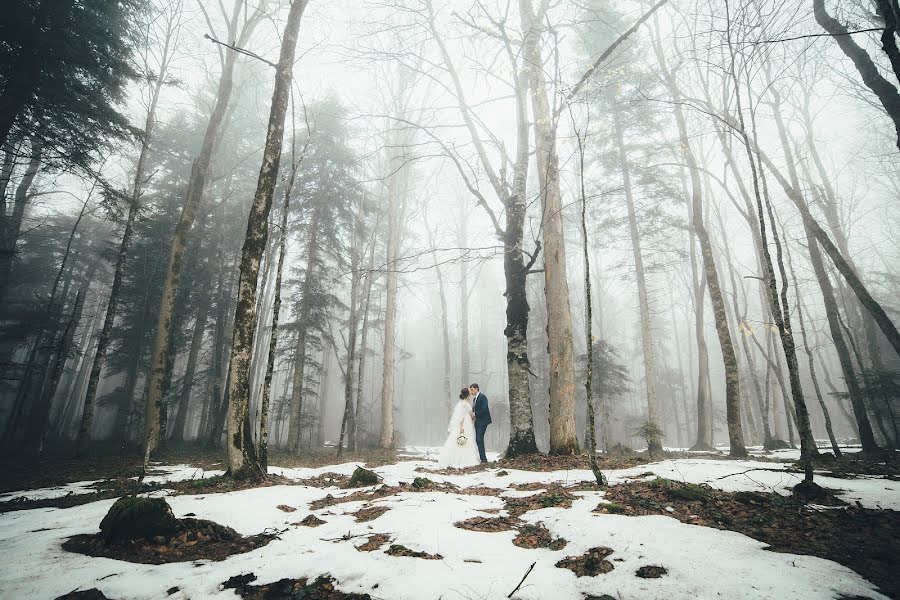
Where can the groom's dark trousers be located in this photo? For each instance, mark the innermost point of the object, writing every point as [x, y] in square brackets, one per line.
[482, 420]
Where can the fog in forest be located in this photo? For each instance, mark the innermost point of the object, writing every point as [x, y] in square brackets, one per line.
[264, 226]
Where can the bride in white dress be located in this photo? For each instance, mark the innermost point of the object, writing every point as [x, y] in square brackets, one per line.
[459, 450]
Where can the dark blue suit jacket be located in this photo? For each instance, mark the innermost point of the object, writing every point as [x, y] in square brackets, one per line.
[482, 412]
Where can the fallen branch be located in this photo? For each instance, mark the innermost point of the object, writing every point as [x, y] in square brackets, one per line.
[527, 573]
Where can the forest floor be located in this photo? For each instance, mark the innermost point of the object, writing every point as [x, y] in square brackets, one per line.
[677, 525]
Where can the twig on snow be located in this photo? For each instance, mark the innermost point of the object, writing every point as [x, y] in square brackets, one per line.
[527, 573]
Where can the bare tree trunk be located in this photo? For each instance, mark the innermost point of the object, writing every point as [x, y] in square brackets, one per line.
[242, 459]
[563, 436]
[390, 318]
[655, 443]
[591, 429]
[276, 313]
[195, 188]
[522, 440]
[809, 355]
[720, 314]
[356, 258]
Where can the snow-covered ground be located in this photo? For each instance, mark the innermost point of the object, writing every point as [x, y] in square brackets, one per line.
[701, 562]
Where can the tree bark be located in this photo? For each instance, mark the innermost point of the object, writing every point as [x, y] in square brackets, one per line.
[242, 459]
[195, 188]
[563, 436]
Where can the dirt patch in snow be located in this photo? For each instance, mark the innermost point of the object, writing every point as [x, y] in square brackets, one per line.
[488, 524]
[651, 572]
[195, 539]
[867, 541]
[370, 513]
[553, 496]
[590, 564]
[323, 588]
[400, 550]
[537, 536]
[310, 521]
[374, 542]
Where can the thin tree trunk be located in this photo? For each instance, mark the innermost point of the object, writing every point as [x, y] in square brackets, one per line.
[720, 313]
[591, 429]
[242, 459]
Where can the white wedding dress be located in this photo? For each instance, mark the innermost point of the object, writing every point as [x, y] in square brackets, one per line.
[452, 454]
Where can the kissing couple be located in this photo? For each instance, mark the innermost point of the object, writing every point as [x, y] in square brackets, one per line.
[465, 433]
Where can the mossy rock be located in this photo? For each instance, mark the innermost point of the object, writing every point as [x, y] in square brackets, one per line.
[133, 518]
[362, 477]
[679, 491]
[422, 483]
[613, 508]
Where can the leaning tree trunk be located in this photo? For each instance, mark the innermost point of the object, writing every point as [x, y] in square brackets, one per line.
[563, 436]
[717, 298]
[196, 184]
[242, 459]
[276, 313]
[809, 356]
[655, 444]
[885, 91]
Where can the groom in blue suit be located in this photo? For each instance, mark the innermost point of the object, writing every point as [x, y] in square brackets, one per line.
[482, 418]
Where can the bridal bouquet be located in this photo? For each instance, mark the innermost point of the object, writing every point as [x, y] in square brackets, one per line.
[461, 440]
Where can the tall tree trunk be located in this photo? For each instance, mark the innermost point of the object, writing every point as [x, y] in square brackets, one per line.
[809, 355]
[563, 436]
[195, 188]
[655, 444]
[591, 429]
[720, 312]
[522, 439]
[87, 415]
[276, 314]
[396, 194]
[242, 459]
